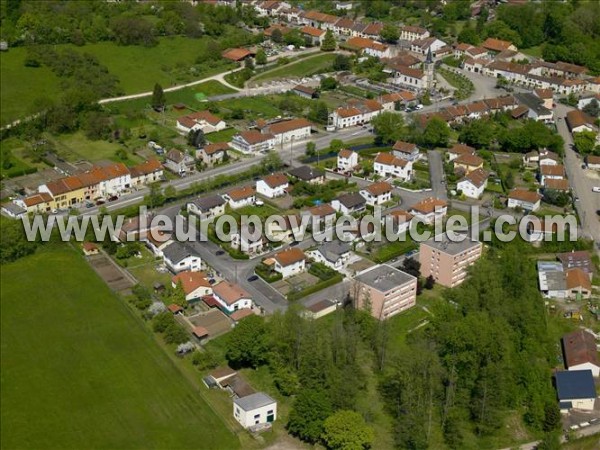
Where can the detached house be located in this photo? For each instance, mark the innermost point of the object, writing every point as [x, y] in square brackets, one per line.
[430, 210]
[406, 150]
[201, 120]
[575, 390]
[386, 165]
[252, 141]
[409, 77]
[468, 163]
[458, 150]
[207, 207]
[289, 262]
[334, 254]
[273, 186]
[240, 197]
[212, 154]
[377, 193]
[254, 409]
[321, 214]
[473, 184]
[494, 46]
[231, 297]
[548, 172]
[195, 285]
[308, 174]
[399, 220]
[181, 257]
[248, 242]
[423, 46]
[370, 47]
[347, 160]
[179, 162]
[579, 121]
[349, 203]
[522, 198]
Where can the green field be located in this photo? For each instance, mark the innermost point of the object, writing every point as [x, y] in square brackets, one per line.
[303, 68]
[80, 371]
[138, 68]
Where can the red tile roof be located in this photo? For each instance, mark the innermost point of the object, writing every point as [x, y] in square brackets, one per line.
[275, 180]
[524, 195]
[312, 31]
[230, 292]
[289, 256]
[496, 45]
[390, 160]
[241, 193]
[379, 188]
[404, 147]
[190, 281]
[236, 54]
[429, 205]
[217, 147]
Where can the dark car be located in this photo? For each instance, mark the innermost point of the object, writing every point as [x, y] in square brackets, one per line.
[220, 252]
[100, 202]
[253, 278]
[293, 244]
[113, 198]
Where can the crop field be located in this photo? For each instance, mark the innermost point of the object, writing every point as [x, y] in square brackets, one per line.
[80, 371]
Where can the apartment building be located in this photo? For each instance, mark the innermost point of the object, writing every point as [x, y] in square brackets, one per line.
[447, 261]
[387, 290]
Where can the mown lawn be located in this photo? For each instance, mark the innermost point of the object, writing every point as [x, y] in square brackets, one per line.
[80, 371]
[76, 146]
[303, 68]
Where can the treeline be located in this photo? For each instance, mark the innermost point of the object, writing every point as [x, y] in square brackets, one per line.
[26, 22]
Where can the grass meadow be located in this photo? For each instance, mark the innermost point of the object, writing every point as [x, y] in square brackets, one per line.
[303, 68]
[79, 370]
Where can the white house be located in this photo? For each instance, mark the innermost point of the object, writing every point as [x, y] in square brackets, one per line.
[580, 352]
[406, 150]
[333, 254]
[207, 207]
[422, 46]
[195, 285]
[231, 297]
[473, 184]
[409, 77]
[212, 154]
[412, 33]
[430, 210]
[356, 114]
[240, 197]
[458, 150]
[149, 171]
[377, 193]
[593, 162]
[370, 47]
[288, 130]
[349, 203]
[201, 120]
[289, 262]
[247, 243]
[347, 160]
[386, 165]
[252, 141]
[254, 409]
[579, 121]
[178, 162]
[272, 186]
[321, 216]
[522, 198]
[399, 220]
[180, 257]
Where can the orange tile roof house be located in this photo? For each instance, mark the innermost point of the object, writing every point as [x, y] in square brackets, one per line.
[272, 186]
[237, 54]
[241, 196]
[459, 150]
[290, 262]
[579, 121]
[195, 285]
[201, 120]
[580, 352]
[525, 199]
[289, 130]
[557, 185]
[406, 150]
[231, 297]
[377, 194]
[389, 290]
[447, 261]
[468, 163]
[579, 284]
[253, 141]
[212, 154]
[474, 183]
[388, 165]
[429, 210]
[498, 45]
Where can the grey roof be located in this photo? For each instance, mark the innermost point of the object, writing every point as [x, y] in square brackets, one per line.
[209, 202]
[384, 277]
[443, 243]
[178, 251]
[13, 208]
[333, 250]
[254, 401]
[575, 384]
[352, 200]
[533, 102]
[306, 173]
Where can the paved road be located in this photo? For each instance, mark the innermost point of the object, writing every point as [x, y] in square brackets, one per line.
[436, 174]
[589, 202]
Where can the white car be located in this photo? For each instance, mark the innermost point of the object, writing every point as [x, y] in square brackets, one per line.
[419, 106]
[596, 189]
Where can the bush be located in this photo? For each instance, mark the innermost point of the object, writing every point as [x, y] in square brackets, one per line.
[322, 271]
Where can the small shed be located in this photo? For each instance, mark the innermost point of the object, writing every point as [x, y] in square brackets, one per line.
[89, 248]
[200, 332]
[175, 309]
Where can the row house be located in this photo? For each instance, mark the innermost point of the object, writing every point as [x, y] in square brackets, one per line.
[389, 101]
[318, 19]
[316, 35]
[495, 46]
[357, 113]
[413, 33]
[370, 47]
[288, 130]
[270, 8]
[149, 171]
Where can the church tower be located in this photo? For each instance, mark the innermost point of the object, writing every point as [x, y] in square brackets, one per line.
[429, 67]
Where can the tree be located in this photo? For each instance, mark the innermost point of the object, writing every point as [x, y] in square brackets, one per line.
[329, 44]
[247, 344]
[412, 266]
[309, 411]
[196, 138]
[436, 133]
[249, 64]
[429, 282]
[158, 98]
[155, 197]
[277, 36]
[341, 62]
[478, 133]
[584, 141]
[261, 57]
[555, 197]
[388, 127]
[469, 36]
[347, 430]
[204, 360]
[311, 148]
[592, 108]
[318, 112]
[336, 145]
[328, 84]
[390, 33]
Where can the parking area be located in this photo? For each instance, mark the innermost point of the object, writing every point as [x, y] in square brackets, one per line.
[117, 279]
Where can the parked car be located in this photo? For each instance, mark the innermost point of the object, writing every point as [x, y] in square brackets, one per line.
[113, 198]
[253, 278]
[220, 252]
[596, 189]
